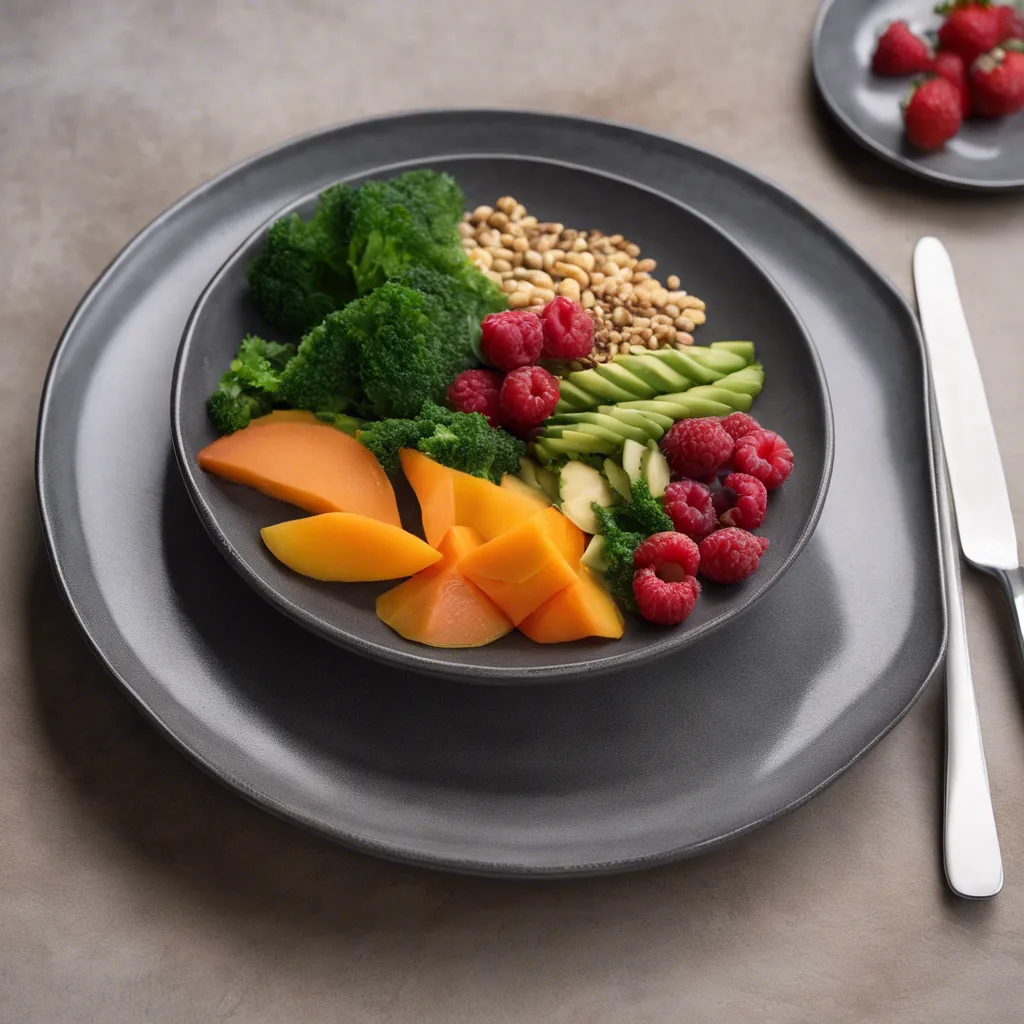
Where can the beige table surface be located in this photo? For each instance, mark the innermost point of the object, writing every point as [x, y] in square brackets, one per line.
[135, 889]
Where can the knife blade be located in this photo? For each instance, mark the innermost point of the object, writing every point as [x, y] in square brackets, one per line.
[983, 514]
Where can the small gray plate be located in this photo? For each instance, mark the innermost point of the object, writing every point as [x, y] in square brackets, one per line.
[984, 155]
[634, 769]
[742, 301]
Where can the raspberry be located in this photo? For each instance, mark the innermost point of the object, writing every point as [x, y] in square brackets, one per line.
[731, 555]
[528, 396]
[568, 331]
[695, 448]
[688, 504]
[765, 455]
[664, 602]
[673, 556]
[477, 391]
[511, 339]
[749, 502]
[739, 424]
[899, 52]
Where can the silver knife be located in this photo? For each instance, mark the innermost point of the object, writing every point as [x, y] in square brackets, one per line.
[970, 842]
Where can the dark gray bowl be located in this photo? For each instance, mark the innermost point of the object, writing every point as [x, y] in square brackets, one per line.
[984, 155]
[743, 302]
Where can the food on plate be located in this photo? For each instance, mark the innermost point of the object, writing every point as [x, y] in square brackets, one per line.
[294, 457]
[590, 458]
[341, 547]
[978, 51]
[439, 606]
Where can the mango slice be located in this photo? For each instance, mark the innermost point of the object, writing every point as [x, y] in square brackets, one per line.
[520, 569]
[294, 457]
[340, 547]
[439, 606]
[582, 609]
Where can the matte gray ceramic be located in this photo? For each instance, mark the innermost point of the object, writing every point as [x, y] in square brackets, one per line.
[637, 768]
[983, 154]
[742, 303]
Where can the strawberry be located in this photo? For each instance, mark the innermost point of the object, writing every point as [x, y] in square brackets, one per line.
[932, 113]
[899, 52]
[1011, 22]
[950, 66]
[997, 83]
[970, 29]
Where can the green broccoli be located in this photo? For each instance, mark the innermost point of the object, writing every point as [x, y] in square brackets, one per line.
[324, 375]
[645, 511]
[249, 387]
[302, 272]
[463, 441]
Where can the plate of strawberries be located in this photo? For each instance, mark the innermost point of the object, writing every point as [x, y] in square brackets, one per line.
[936, 90]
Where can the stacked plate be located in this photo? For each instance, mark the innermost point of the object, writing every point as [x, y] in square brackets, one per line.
[620, 755]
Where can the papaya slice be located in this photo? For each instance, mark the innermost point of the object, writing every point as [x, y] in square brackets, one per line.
[582, 609]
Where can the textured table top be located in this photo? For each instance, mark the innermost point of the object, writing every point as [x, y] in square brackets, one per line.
[133, 888]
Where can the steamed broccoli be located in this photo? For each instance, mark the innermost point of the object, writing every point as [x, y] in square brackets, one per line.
[302, 272]
[463, 441]
[249, 387]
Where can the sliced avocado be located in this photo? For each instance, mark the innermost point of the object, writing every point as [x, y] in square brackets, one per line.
[744, 349]
[593, 557]
[620, 427]
[739, 400]
[573, 443]
[580, 487]
[528, 472]
[647, 421]
[626, 380]
[654, 467]
[612, 436]
[655, 372]
[571, 397]
[720, 359]
[545, 453]
[692, 369]
[548, 482]
[598, 388]
[693, 408]
[749, 380]
[618, 478]
[632, 460]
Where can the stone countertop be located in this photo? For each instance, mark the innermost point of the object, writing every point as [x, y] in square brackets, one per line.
[133, 888]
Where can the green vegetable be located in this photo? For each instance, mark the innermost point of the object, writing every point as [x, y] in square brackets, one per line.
[249, 387]
[463, 441]
[302, 272]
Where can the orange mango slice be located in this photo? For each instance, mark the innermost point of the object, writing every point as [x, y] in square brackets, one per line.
[435, 491]
[294, 457]
[582, 609]
[439, 606]
[340, 547]
[520, 569]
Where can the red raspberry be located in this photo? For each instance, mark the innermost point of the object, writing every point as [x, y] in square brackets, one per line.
[765, 455]
[568, 331]
[528, 396]
[933, 113]
[696, 448]
[749, 504]
[511, 339]
[950, 66]
[672, 555]
[477, 391]
[739, 424]
[731, 555]
[970, 30]
[899, 52]
[664, 602]
[723, 499]
[688, 504]
[997, 84]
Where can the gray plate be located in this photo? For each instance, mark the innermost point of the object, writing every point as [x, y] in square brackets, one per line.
[632, 770]
[984, 155]
[743, 303]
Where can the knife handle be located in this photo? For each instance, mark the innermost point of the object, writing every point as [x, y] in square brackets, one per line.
[1012, 581]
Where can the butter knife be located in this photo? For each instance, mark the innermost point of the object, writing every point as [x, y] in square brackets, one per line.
[970, 843]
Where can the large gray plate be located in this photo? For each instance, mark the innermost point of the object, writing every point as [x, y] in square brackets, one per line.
[744, 303]
[984, 155]
[628, 771]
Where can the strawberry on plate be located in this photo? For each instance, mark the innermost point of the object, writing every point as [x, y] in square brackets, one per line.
[951, 66]
[899, 52]
[1010, 21]
[970, 29]
[932, 114]
[997, 83]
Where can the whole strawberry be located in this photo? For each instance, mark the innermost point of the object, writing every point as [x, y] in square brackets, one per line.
[970, 29]
[950, 66]
[1011, 22]
[899, 52]
[933, 113]
[997, 83]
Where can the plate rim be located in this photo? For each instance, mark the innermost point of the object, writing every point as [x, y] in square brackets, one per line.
[870, 143]
[353, 840]
[609, 661]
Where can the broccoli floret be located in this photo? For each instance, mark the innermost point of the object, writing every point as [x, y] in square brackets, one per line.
[463, 441]
[646, 511]
[302, 272]
[324, 375]
[249, 387]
